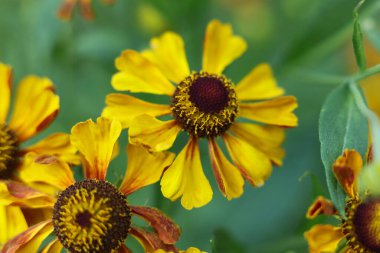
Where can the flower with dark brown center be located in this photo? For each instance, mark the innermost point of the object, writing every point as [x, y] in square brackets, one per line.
[8, 151]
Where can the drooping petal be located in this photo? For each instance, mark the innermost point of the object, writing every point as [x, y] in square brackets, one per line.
[221, 47]
[278, 111]
[96, 141]
[54, 246]
[267, 139]
[36, 107]
[168, 231]
[320, 206]
[168, 53]
[138, 74]
[347, 168]
[323, 238]
[124, 249]
[185, 178]
[154, 134]
[58, 145]
[144, 168]
[254, 165]
[29, 240]
[229, 179]
[125, 108]
[12, 222]
[258, 84]
[5, 90]
[45, 169]
[150, 241]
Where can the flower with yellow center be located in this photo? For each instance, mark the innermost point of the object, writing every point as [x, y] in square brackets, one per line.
[94, 215]
[360, 228]
[67, 8]
[205, 104]
[35, 107]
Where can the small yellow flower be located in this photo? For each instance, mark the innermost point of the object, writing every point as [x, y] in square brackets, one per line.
[205, 104]
[35, 107]
[189, 250]
[66, 9]
[93, 215]
[361, 226]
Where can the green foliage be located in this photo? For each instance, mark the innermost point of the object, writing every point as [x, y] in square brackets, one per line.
[224, 243]
[357, 39]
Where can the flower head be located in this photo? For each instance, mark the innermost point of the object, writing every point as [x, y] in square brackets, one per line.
[94, 215]
[361, 226]
[205, 104]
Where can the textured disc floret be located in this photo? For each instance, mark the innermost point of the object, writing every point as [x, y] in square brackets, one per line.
[362, 227]
[91, 216]
[8, 151]
[204, 104]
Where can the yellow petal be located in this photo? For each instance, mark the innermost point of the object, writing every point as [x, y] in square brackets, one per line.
[125, 108]
[185, 178]
[228, 176]
[144, 168]
[152, 133]
[96, 141]
[5, 90]
[30, 240]
[192, 250]
[168, 53]
[221, 47]
[138, 74]
[323, 238]
[347, 168]
[254, 165]
[54, 246]
[36, 107]
[58, 145]
[47, 170]
[267, 139]
[12, 222]
[320, 206]
[258, 84]
[278, 111]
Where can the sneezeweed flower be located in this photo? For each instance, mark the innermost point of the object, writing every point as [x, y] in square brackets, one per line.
[205, 104]
[360, 229]
[67, 8]
[189, 250]
[35, 107]
[93, 215]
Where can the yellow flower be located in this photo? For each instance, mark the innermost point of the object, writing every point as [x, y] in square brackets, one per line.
[189, 250]
[361, 226]
[66, 9]
[205, 104]
[35, 107]
[93, 215]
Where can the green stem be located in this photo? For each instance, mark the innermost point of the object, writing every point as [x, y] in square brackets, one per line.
[368, 72]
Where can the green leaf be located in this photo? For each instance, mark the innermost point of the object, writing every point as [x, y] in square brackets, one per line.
[224, 243]
[357, 39]
[341, 126]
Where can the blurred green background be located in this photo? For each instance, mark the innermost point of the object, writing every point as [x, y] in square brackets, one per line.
[306, 41]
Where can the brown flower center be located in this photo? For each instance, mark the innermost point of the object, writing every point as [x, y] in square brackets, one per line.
[8, 152]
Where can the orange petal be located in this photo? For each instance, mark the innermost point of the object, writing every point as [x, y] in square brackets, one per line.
[30, 240]
[96, 142]
[229, 179]
[267, 139]
[125, 108]
[5, 90]
[347, 168]
[12, 222]
[154, 134]
[150, 241]
[278, 111]
[144, 168]
[54, 246]
[124, 249]
[323, 238]
[258, 84]
[221, 47]
[320, 206]
[66, 9]
[138, 74]
[86, 9]
[168, 231]
[254, 165]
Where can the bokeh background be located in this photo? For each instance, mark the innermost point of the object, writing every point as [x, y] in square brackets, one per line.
[307, 42]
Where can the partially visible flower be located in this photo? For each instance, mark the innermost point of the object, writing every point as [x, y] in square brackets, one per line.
[94, 215]
[67, 8]
[189, 250]
[35, 107]
[205, 104]
[360, 229]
